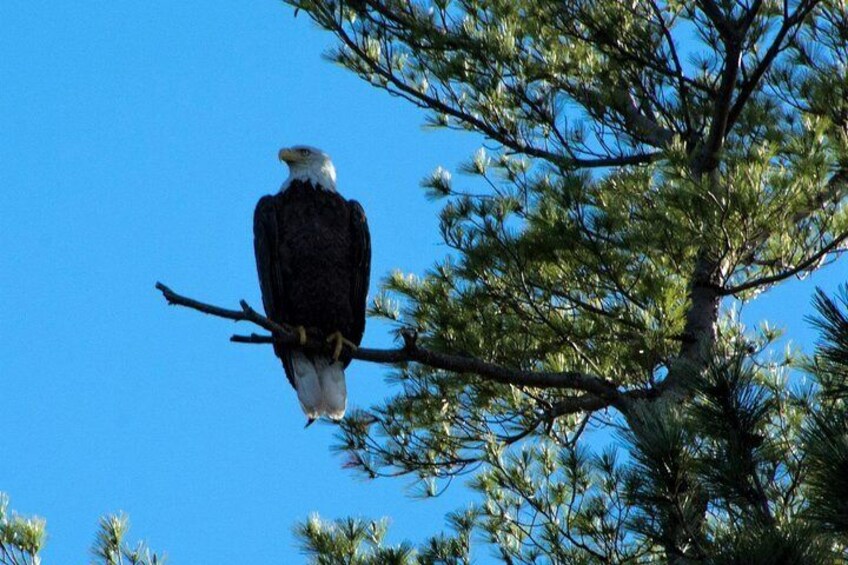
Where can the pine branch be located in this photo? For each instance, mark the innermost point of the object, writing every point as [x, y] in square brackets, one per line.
[809, 263]
[601, 393]
[834, 191]
[658, 136]
[748, 88]
[716, 17]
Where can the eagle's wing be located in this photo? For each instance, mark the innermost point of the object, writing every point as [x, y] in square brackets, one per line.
[266, 246]
[361, 268]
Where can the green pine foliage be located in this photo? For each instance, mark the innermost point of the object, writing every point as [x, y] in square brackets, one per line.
[358, 542]
[649, 167]
[752, 469]
[826, 432]
[110, 546]
[22, 539]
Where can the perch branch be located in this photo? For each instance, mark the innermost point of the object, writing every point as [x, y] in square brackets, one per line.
[601, 392]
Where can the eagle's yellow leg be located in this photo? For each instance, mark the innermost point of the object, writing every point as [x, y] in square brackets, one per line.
[340, 341]
[301, 334]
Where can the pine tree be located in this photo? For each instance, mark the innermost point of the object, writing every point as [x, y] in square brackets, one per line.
[650, 167]
[22, 539]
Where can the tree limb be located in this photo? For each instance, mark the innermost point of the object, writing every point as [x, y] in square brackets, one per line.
[492, 131]
[601, 393]
[807, 263]
[717, 18]
[777, 45]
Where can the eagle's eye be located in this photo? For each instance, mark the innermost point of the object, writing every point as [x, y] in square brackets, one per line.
[304, 152]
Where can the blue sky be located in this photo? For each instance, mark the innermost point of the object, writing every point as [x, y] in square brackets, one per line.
[135, 139]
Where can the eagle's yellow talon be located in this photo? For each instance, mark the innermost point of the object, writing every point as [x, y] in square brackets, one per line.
[301, 334]
[340, 341]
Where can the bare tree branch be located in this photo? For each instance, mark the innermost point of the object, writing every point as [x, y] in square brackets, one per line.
[601, 393]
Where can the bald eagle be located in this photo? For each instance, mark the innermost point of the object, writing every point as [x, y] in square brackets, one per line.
[313, 256]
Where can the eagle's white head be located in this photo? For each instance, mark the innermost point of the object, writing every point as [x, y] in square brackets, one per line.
[309, 164]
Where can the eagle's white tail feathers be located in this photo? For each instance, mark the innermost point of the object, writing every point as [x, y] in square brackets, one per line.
[308, 385]
[333, 388]
[320, 386]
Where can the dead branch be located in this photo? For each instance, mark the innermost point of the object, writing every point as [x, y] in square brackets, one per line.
[600, 393]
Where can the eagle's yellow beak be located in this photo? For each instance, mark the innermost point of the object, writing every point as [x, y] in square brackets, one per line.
[287, 155]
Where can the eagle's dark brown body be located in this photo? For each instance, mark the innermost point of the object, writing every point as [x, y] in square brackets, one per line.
[313, 256]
